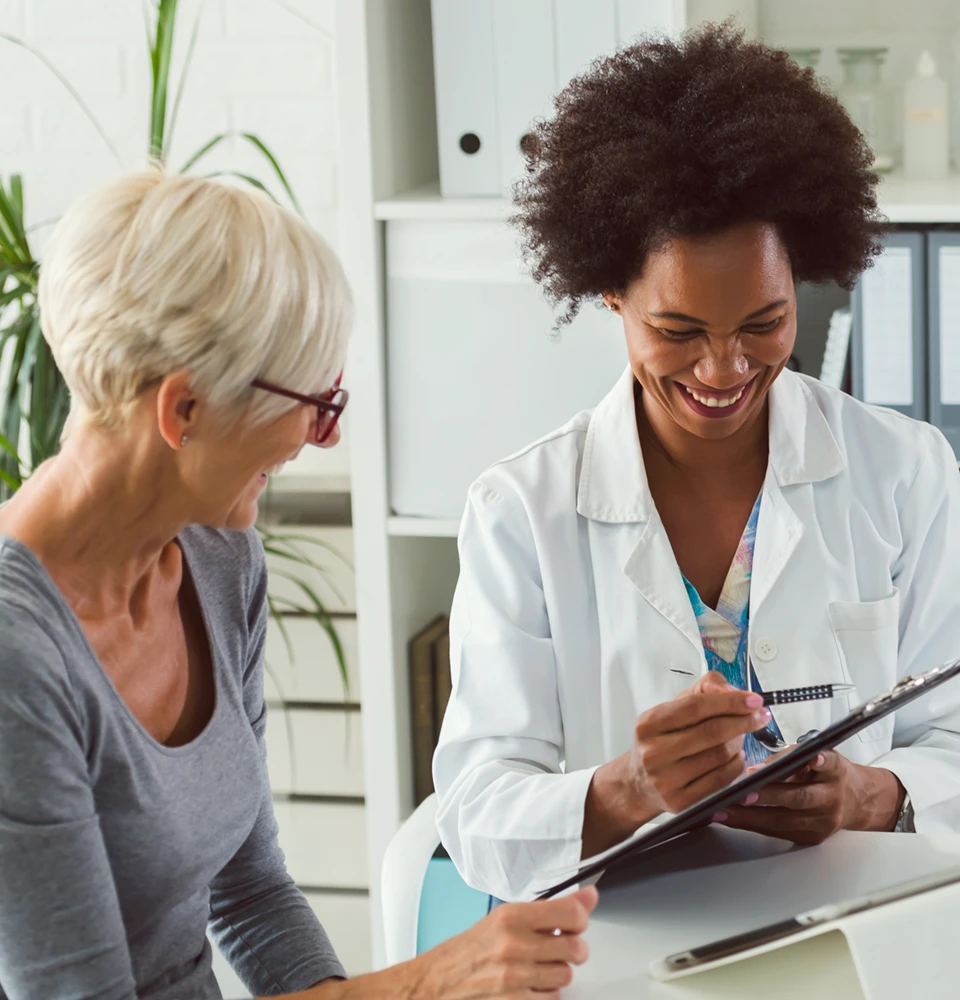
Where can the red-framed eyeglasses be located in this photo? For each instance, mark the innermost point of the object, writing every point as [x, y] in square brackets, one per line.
[329, 405]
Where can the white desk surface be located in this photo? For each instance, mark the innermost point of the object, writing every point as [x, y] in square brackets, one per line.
[744, 881]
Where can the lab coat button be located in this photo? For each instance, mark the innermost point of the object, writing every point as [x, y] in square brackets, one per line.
[765, 649]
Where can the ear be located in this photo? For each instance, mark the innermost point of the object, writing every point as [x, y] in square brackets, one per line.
[176, 409]
[612, 301]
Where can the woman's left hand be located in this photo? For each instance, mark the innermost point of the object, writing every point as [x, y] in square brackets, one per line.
[828, 795]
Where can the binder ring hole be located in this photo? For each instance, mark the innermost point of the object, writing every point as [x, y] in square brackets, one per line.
[529, 146]
[470, 143]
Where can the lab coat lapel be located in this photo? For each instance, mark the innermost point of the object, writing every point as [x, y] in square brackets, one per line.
[652, 568]
[803, 450]
[613, 489]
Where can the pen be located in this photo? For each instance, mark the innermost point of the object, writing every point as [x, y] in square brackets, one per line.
[787, 696]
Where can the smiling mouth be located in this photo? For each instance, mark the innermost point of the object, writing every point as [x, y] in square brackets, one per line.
[716, 401]
[718, 404]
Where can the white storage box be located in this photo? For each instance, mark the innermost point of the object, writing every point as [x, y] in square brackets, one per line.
[474, 372]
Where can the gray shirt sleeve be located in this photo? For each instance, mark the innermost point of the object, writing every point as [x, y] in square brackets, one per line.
[259, 919]
[61, 931]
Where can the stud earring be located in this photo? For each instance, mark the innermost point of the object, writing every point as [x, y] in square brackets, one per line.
[183, 441]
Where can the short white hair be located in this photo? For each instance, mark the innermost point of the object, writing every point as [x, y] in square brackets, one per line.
[154, 274]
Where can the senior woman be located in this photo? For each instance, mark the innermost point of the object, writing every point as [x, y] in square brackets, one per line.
[201, 330]
[718, 525]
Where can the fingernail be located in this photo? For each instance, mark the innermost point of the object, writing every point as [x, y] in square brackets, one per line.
[720, 817]
[821, 760]
[754, 700]
[763, 716]
[750, 799]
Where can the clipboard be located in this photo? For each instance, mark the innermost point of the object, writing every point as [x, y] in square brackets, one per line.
[902, 693]
[793, 930]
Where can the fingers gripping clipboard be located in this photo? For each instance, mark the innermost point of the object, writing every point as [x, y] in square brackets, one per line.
[902, 693]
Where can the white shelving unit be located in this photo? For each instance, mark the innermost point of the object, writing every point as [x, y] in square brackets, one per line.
[407, 567]
[902, 201]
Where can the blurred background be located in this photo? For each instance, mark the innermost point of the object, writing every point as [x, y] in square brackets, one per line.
[395, 127]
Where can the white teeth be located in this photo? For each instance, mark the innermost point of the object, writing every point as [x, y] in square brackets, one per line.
[713, 401]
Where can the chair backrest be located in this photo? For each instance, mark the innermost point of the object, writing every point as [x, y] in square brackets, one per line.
[425, 901]
[404, 868]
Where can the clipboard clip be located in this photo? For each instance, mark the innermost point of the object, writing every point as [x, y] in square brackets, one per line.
[906, 684]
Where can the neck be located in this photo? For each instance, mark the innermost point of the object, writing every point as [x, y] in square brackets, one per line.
[744, 451]
[103, 516]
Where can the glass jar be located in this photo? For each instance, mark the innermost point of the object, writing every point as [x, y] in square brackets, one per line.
[868, 101]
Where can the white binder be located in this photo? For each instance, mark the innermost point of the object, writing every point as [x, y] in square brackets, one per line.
[525, 71]
[584, 31]
[466, 94]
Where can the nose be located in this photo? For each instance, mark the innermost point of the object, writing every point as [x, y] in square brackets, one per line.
[332, 441]
[724, 364]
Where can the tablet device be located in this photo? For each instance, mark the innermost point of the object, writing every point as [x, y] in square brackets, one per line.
[791, 761]
[757, 941]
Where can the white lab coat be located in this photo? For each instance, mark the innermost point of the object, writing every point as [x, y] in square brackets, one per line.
[571, 617]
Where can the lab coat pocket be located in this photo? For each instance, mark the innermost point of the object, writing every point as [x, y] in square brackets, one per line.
[867, 635]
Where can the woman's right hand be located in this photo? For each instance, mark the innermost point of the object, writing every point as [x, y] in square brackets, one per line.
[514, 952]
[683, 750]
[692, 746]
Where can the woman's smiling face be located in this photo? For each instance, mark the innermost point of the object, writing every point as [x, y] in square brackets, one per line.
[710, 324]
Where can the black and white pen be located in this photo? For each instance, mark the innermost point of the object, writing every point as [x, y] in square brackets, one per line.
[787, 696]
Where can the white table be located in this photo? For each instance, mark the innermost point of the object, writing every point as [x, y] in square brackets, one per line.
[745, 881]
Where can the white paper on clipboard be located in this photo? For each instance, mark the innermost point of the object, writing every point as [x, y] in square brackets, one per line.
[949, 265]
[887, 329]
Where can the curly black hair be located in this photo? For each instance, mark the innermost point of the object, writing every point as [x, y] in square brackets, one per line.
[688, 137]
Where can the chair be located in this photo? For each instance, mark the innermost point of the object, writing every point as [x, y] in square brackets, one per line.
[424, 899]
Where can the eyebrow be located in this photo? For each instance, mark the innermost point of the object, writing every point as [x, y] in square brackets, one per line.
[684, 318]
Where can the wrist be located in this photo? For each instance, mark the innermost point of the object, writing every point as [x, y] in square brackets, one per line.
[882, 801]
[614, 806]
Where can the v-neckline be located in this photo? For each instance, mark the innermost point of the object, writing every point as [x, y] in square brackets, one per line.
[728, 620]
[75, 623]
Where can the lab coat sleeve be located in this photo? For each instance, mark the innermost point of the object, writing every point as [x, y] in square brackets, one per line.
[926, 741]
[507, 812]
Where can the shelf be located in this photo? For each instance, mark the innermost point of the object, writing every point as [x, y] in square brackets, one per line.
[423, 527]
[294, 483]
[904, 200]
[901, 200]
[426, 202]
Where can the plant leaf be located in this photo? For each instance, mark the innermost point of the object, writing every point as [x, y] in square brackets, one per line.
[161, 56]
[258, 144]
[73, 92]
[261, 148]
[252, 181]
[204, 149]
[183, 78]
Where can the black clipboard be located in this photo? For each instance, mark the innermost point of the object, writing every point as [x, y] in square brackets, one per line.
[902, 693]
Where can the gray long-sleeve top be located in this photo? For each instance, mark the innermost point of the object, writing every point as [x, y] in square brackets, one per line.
[116, 851]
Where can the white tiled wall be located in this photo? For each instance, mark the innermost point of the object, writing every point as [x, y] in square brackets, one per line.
[263, 66]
